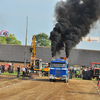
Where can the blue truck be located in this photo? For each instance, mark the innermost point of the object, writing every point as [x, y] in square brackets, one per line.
[59, 70]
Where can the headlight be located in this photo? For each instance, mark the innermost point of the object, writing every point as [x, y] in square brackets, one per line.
[64, 75]
[51, 76]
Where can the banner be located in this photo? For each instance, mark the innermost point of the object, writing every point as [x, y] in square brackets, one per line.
[90, 39]
[4, 33]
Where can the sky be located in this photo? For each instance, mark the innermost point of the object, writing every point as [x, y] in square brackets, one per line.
[40, 13]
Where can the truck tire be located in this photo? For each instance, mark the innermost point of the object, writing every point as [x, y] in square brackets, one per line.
[50, 80]
[85, 75]
[66, 81]
[90, 75]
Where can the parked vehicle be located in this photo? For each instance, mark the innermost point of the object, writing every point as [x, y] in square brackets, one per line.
[7, 67]
[92, 72]
[35, 64]
[45, 69]
[78, 71]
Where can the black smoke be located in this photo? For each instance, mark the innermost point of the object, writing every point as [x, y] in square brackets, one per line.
[74, 20]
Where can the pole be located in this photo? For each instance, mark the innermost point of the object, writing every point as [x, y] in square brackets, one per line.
[26, 41]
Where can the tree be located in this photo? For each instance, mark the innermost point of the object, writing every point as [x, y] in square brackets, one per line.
[42, 39]
[9, 40]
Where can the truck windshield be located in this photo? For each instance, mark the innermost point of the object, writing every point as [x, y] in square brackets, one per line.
[58, 65]
[96, 66]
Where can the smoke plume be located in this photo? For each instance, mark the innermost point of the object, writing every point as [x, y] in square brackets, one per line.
[74, 20]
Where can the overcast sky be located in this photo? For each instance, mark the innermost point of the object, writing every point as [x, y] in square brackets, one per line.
[40, 15]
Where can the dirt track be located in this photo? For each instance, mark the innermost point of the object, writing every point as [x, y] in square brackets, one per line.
[42, 89]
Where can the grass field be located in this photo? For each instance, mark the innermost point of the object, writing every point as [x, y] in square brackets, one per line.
[7, 73]
[15, 74]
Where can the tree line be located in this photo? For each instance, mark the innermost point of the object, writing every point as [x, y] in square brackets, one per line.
[42, 39]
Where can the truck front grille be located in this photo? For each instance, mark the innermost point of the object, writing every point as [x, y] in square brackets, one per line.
[96, 72]
[58, 72]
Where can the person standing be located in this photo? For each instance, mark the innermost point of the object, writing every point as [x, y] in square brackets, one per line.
[23, 69]
[0, 69]
[26, 70]
[18, 71]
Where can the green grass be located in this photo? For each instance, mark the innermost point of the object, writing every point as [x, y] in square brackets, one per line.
[77, 78]
[13, 74]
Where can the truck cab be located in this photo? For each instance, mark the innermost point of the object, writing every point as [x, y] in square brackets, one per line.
[59, 70]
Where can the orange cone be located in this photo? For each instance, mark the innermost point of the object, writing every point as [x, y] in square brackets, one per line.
[98, 82]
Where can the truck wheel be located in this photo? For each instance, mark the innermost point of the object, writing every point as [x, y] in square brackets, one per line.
[66, 81]
[50, 80]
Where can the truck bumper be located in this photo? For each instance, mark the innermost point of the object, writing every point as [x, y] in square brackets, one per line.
[57, 78]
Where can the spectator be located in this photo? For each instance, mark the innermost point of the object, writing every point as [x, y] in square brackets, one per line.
[26, 70]
[18, 71]
[3, 68]
[23, 69]
[0, 69]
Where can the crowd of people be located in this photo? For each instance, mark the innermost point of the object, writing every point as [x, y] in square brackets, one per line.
[25, 71]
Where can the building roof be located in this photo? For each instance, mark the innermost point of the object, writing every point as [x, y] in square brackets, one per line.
[16, 53]
[83, 57]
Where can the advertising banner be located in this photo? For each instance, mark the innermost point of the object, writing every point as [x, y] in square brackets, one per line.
[4, 33]
[90, 39]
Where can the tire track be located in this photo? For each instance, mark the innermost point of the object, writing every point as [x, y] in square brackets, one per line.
[96, 87]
